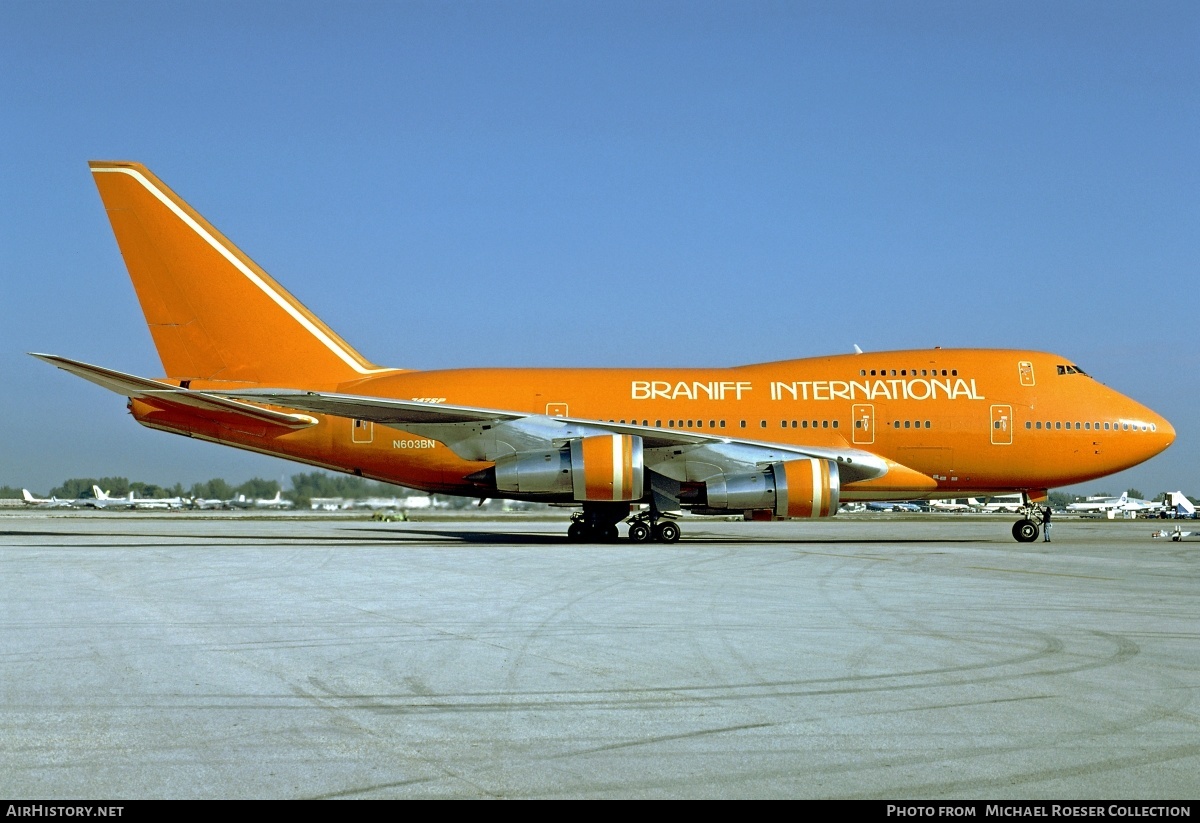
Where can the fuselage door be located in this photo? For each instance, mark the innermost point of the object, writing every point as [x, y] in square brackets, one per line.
[362, 431]
[1002, 425]
[864, 423]
[1025, 370]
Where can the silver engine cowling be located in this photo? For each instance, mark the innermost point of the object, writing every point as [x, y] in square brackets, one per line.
[792, 489]
[606, 467]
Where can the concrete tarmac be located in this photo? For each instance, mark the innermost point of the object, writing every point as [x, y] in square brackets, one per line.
[295, 657]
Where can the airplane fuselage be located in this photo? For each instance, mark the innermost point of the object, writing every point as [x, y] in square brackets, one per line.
[967, 420]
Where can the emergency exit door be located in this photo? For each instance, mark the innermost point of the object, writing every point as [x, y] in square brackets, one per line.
[864, 424]
[1002, 425]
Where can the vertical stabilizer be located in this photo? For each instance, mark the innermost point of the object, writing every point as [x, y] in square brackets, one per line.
[213, 313]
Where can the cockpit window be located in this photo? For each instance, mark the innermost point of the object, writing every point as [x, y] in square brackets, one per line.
[1070, 370]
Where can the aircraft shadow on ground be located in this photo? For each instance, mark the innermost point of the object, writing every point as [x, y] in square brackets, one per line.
[384, 536]
[690, 538]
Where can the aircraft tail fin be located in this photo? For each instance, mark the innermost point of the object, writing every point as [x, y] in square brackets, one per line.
[213, 312]
[26, 496]
[98, 494]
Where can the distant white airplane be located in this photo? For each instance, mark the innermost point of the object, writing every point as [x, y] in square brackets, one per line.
[970, 504]
[104, 500]
[1003, 503]
[1135, 507]
[243, 502]
[44, 502]
[1099, 504]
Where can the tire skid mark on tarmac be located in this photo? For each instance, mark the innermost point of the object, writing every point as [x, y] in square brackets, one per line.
[1007, 781]
[322, 698]
[616, 698]
[650, 741]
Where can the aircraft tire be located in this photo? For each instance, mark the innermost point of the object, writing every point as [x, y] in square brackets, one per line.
[577, 532]
[667, 532]
[610, 533]
[639, 533]
[1025, 531]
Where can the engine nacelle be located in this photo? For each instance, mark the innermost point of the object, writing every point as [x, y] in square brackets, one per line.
[544, 472]
[795, 488]
[603, 467]
[607, 467]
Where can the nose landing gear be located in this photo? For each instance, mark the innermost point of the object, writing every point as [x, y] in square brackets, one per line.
[1025, 531]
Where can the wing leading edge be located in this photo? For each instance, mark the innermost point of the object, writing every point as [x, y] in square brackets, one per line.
[489, 434]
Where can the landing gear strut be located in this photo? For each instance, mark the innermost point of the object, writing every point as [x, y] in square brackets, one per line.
[597, 522]
[1026, 529]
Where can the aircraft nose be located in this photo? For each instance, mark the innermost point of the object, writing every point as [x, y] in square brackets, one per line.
[1161, 434]
[1164, 430]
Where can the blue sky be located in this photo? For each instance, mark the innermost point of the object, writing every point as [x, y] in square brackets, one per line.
[526, 183]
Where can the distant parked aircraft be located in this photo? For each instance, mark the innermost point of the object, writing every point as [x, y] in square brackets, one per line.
[44, 502]
[1003, 503]
[243, 502]
[1135, 507]
[893, 506]
[955, 505]
[1099, 504]
[103, 500]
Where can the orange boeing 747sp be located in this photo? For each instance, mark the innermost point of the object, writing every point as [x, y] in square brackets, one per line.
[246, 365]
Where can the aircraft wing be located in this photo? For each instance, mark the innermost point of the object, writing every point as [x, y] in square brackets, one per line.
[486, 434]
[144, 388]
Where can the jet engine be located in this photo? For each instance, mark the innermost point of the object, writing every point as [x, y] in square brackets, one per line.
[795, 488]
[602, 467]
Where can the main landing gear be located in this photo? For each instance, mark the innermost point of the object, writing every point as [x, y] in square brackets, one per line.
[597, 523]
[648, 525]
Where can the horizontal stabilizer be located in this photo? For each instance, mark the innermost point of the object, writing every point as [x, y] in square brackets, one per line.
[143, 388]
